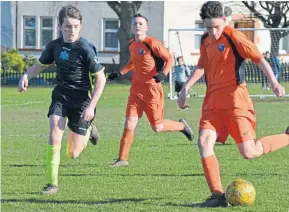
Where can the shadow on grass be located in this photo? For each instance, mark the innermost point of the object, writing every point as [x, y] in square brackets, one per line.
[35, 165]
[132, 175]
[192, 205]
[102, 202]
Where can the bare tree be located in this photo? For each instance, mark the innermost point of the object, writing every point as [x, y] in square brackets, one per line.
[125, 10]
[275, 14]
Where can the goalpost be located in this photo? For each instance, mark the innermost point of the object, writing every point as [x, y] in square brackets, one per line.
[186, 43]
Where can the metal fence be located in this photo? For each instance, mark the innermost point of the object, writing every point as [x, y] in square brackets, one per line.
[46, 78]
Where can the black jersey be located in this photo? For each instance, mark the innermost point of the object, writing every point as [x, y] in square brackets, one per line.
[76, 63]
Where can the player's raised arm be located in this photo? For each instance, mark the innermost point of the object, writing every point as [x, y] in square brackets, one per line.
[167, 57]
[127, 68]
[267, 70]
[45, 59]
[33, 71]
[248, 49]
[161, 51]
[198, 72]
[100, 81]
[96, 70]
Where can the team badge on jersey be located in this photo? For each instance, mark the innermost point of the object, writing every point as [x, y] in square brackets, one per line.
[141, 51]
[221, 47]
[64, 55]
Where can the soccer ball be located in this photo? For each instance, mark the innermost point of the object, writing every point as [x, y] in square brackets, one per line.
[240, 193]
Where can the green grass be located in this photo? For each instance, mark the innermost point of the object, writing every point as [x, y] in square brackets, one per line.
[165, 172]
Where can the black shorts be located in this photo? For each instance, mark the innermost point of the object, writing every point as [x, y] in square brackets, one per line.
[70, 103]
[178, 86]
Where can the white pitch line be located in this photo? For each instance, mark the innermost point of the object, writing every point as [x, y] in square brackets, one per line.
[26, 103]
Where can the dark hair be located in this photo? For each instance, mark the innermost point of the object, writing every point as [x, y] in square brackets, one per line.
[212, 9]
[180, 57]
[140, 15]
[69, 11]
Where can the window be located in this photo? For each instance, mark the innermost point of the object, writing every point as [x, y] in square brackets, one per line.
[29, 32]
[246, 24]
[110, 39]
[198, 34]
[46, 31]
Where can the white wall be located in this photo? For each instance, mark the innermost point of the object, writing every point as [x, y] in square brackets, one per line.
[92, 27]
[181, 15]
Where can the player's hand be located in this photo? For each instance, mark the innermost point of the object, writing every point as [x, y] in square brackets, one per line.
[160, 77]
[88, 113]
[23, 83]
[278, 90]
[182, 99]
[113, 76]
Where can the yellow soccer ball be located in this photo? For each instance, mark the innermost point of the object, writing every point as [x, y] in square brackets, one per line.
[240, 193]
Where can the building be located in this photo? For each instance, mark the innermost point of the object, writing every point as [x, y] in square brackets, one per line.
[29, 26]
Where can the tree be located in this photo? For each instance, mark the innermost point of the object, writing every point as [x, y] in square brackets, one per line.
[125, 11]
[275, 14]
[12, 61]
[29, 61]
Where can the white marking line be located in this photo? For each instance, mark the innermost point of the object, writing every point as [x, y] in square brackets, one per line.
[26, 103]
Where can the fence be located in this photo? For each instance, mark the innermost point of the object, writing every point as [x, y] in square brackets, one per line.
[48, 77]
[45, 78]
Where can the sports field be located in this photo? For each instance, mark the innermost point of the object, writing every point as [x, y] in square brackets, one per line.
[165, 172]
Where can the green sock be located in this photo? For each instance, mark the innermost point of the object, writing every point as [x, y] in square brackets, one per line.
[53, 161]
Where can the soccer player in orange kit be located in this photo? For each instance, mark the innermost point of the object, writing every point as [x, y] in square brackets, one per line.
[227, 107]
[146, 94]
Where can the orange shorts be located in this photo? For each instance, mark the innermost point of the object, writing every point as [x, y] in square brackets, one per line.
[239, 123]
[148, 99]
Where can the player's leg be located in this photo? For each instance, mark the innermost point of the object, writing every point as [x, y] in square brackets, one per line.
[57, 126]
[177, 87]
[212, 130]
[252, 148]
[80, 132]
[242, 128]
[133, 112]
[154, 108]
[93, 134]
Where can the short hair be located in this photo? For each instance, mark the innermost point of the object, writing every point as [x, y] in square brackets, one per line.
[212, 9]
[141, 16]
[180, 57]
[69, 11]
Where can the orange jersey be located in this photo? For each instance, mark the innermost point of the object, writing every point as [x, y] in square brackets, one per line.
[142, 62]
[223, 61]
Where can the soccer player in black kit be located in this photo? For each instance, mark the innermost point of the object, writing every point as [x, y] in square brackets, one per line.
[74, 98]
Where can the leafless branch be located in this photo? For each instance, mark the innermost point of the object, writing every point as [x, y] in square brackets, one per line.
[251, 7]
[137, 4]
[115, 5]
[286, 22]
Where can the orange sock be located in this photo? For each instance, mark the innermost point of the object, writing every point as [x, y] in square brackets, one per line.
[125, 143]
[272, 143]
[170, 126]
[212, 174]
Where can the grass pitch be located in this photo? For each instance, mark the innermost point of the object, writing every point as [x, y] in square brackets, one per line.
[165, 172]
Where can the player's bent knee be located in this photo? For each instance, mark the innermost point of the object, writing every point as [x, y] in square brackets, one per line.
[157, 128]
[55, 139]
[248, 149]
[247, 155]
[204, 142]
[74, 154]
[131, 123]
